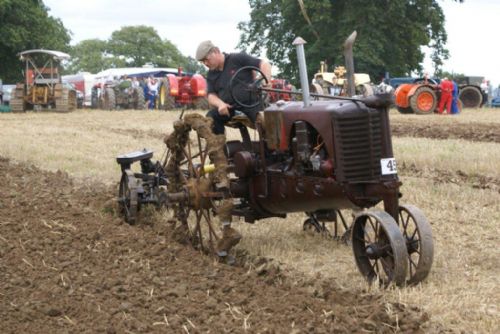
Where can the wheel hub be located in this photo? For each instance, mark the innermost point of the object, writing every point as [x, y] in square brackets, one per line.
[375, 251]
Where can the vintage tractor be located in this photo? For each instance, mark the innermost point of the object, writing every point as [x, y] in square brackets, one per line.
[42, 88]
[285, 86]
[316, 157]
[113, 95]
[421, 95]
[343, 81]
[183, 90]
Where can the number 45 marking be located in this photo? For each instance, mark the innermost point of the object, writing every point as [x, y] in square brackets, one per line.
[388, 166]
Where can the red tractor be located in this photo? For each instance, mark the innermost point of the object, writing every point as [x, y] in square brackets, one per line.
[182, 90]
[281, 85]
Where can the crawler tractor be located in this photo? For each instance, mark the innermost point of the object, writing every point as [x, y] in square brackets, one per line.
[316, 157]
[42, 88]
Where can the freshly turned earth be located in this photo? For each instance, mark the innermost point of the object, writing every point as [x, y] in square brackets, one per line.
[68, 264]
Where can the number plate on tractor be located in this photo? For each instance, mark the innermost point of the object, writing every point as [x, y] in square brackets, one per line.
[388, 166]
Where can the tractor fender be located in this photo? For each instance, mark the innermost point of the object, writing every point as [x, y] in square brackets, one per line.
[401, 95]
[198, 85]
[414, 88]
[173, 85]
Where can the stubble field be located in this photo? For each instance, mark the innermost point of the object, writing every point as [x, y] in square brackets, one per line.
[69, 264]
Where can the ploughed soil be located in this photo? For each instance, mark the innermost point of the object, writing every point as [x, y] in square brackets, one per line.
[68, 264]
[484, 132]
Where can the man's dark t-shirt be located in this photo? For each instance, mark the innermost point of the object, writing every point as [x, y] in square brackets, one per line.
[218, 81]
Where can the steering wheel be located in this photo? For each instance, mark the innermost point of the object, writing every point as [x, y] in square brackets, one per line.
[245, 85]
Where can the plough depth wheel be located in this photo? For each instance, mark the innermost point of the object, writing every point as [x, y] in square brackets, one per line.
[418, 236]
[128, 197]
[379, 248]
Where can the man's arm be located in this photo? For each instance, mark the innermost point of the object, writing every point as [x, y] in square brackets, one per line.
[265, 67]
[221, 106]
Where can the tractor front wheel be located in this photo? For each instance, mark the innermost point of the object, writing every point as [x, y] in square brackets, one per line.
[379, 248]
[423, 101]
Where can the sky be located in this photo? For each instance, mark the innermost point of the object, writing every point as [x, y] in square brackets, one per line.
[472, 26]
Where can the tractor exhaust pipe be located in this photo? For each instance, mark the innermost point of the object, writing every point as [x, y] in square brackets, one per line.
[349, 63]
[304, 81]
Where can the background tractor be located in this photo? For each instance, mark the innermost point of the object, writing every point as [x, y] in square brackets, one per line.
[189, 90]
[343, 81]
[119, 95]
[421, 96]
[42, 88]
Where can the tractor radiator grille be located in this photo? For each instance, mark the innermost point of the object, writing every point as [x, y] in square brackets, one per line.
[358, 145]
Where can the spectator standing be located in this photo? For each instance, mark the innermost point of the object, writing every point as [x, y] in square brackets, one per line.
[490, 93]
[484, 91]
[446, 87]
[152, 92]
[455, 109]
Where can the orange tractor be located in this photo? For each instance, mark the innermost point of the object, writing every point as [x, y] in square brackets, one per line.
[420, 97]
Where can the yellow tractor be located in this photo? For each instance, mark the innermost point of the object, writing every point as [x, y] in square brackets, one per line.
[338, 82]
[42, 88]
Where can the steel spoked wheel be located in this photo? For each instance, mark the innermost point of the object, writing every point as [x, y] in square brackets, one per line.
[128, 197]
[379, 248]
[417, 233]
[195, 168]
[312, 226]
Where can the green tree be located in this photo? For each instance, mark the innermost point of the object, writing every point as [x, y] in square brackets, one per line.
[90, 56]
[25, 24]
[136, 45]
[390, 33]
[131, 46]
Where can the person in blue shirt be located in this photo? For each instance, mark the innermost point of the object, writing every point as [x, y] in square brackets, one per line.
[455, 109]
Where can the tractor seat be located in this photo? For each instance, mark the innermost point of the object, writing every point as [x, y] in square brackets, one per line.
[240, 119]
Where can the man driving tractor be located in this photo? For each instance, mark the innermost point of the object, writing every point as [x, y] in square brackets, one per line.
[222, 67]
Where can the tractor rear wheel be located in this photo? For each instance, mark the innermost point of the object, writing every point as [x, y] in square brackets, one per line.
[470, 96]
[379, 248]
[109, 102]
[165, 100]
[423, 101]
[138, 101]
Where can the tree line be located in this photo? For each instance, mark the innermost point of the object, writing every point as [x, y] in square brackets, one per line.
[391, 34]
[26, 24]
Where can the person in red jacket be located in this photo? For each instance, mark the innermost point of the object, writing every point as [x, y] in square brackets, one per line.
[446, 87]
